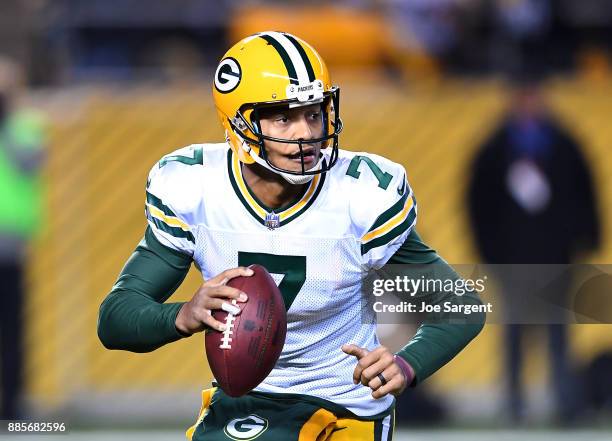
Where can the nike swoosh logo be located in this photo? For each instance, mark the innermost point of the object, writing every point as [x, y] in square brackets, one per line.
[400, 190]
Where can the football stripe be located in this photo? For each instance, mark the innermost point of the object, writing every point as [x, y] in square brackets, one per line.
[157, 203]
[239, 194]
[305, 60]
[296, 59]
[257, 209]
[395, 209]
[293, 77]
[308, 197]
[392, 222]
[169, 220]
[319, 185]
[386, 427]
[289, 212]
[172, 231]
[391, 235]
[290, 56]
[378, 429]
[244, 190]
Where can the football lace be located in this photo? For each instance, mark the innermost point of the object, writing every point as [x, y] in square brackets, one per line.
[229, 330]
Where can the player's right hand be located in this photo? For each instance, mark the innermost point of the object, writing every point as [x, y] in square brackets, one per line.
[196, 315]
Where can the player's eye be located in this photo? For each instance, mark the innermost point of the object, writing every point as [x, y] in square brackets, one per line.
[281, 118]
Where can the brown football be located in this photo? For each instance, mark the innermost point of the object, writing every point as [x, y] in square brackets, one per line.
[242, 356]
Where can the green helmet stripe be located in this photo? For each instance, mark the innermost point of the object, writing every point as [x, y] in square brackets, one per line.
[300, 49]
[291, 72]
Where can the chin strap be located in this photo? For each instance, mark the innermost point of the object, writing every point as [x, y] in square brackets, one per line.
[291, 178]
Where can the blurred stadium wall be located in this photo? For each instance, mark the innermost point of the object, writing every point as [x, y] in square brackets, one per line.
[105, 139]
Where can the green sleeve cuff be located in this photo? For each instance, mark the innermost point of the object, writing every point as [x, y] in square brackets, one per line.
[414, 364]
[433, 346]
[171, 313]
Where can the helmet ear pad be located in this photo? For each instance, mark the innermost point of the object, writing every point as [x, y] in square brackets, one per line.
[236, 141]
[254, 118]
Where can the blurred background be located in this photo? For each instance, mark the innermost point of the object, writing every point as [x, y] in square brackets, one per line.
[93, 93]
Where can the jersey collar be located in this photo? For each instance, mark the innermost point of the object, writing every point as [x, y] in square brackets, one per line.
[257, 209]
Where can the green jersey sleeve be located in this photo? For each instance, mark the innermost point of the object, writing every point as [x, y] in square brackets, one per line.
[133, 316]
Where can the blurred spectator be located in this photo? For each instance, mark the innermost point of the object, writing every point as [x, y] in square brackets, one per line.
[587, 14]
[135, 39]
[423, 32]
[428, 25]
[598, 382]
[21, 141]
[522, 28]
[531, 201]
[523, 18]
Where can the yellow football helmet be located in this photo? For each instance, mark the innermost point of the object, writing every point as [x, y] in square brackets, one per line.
[272, 69]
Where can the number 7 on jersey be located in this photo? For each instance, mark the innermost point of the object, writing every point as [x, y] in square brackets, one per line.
[293, 267]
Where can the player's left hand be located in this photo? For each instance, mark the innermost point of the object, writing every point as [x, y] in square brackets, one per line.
[371, 364]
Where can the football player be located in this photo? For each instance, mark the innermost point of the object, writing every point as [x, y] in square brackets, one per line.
[279, 192]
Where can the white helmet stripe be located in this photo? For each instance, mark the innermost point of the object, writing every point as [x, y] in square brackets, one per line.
[294, 55]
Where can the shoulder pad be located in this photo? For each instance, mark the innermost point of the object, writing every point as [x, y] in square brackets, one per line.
[382, 204]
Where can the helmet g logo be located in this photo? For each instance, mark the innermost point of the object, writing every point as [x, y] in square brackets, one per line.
[246, 428]
[228, 75]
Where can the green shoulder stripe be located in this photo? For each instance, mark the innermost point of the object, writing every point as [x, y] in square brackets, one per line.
[172, 231]
[395, 209]
[157, 203]
[395, 232]
[160, 224]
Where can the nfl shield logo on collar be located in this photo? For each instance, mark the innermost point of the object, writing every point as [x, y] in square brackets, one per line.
[272, 220]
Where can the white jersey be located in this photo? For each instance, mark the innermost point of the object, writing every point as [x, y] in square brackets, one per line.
[349, 221]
